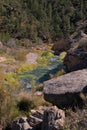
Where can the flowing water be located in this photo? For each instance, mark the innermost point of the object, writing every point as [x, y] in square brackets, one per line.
[40, 74]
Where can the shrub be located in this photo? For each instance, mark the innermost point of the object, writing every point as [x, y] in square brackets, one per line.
[25, 104]
[45, 57]
[60, 72]
[39, 101]
[62, 55]
[8, 110]
[47, 54]
[24, 42]
[25, 68]
[4, 37]
[39, 87]
[20, 55]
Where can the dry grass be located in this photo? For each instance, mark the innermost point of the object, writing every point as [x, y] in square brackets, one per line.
[76, 120]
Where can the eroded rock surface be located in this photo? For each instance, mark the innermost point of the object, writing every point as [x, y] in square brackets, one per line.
[53, 119]
[46, 118]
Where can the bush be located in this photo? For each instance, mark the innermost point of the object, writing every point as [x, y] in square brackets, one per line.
[39, 87]
[60, 72]
[45, 57]
[47, 54]
[20, 56]
[25, 68]
[25, 104]
[8, 110]
[24, 42]
[4, 37]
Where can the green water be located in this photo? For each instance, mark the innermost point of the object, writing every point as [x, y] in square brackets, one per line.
[40, 74]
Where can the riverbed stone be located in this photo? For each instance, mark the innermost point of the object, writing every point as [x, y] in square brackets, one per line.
[63, 91]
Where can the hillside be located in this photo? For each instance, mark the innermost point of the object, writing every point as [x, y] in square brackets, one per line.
[40, 20]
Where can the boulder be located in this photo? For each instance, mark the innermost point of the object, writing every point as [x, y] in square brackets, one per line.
[76, 57]
[21, 124]
[75, 60]
[53, 119]
[34, 121]
[26, 126]
[60, 46]
[64, 91]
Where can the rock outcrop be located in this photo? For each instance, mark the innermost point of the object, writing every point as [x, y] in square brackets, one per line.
[53, 119]
[65, 90]
[75, 60]
[21, 124]
[46, 118]
[76, 57]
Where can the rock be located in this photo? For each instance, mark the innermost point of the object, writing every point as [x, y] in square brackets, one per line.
[77, 37]
[22, 119]
[16, 126]
[76, 57]
[31, 58]
[21, 124]
[34, 121]
[38, 93]
[26, 126]
[75, 60]
[39, 114]
[53, 118]
[64, 91]
[41, 119]
[60, 46]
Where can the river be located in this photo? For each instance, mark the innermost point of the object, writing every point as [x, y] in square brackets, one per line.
[40, 74]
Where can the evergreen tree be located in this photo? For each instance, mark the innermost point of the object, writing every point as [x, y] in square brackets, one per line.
[50, 18]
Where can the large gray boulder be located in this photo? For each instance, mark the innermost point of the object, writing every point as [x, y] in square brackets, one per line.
[67, 89]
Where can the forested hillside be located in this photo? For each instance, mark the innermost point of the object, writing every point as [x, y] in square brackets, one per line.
[41, 19]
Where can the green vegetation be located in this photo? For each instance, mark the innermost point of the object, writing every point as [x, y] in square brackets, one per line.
[40, 20]
[76, 120]
[60, 72]
[7, 101]
[25, 68]
[25, 23]
[45, 58]
[13, 104]
[25, 105]
[4, 37]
